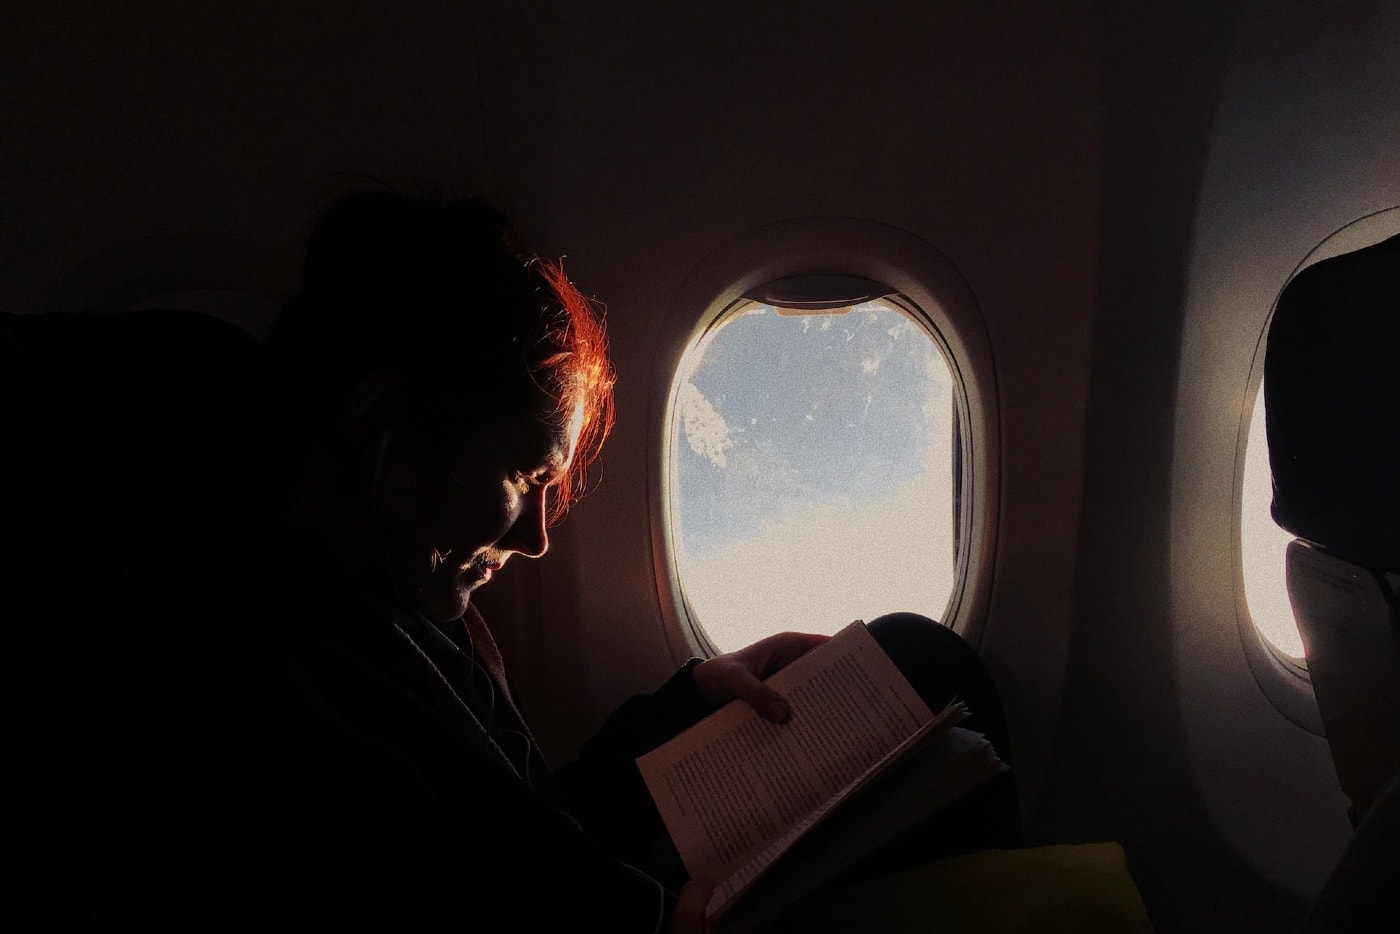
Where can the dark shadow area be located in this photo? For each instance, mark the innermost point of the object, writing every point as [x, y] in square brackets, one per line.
[1108, 781]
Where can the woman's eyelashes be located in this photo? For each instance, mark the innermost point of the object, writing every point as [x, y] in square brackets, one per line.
[525, 481]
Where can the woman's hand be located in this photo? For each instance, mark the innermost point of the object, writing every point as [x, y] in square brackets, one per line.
[688, 917]
[739, 675]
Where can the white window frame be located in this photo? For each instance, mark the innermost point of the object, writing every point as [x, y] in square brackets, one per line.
[911, 268]
[1284, 680]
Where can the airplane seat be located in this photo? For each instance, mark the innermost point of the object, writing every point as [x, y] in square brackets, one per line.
[1332, 406]
[119, 437]
[115, 425]
[123, 436]
[1359, 896]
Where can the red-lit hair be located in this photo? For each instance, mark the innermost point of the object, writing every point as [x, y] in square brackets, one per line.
[579, 372]
[438, 291]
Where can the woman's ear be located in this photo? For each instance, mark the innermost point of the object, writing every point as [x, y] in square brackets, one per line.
[373, 406]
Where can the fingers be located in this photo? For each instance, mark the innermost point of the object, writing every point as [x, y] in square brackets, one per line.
[739, 675]
[768, 702]
[775, 652]
[729, 677]
[787, 647]
[688, 917]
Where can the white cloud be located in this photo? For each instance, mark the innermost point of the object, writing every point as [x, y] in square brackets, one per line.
[938, 398]
[827, 564]
[705, 429]
[1265, 545]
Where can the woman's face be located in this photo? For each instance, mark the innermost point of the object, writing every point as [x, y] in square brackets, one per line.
[456, 511]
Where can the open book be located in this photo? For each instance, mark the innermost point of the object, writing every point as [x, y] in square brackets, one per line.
[737, 792]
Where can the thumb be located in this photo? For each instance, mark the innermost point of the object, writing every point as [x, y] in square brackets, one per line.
[762, 698]
[689, 917]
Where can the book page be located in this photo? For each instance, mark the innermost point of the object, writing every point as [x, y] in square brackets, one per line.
[735, 785]
[940, 771]
[738, 882]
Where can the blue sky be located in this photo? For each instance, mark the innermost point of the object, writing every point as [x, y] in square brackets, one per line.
[813, 445]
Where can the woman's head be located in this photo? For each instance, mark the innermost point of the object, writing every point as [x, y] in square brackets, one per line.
[436, 295]
[451, 387]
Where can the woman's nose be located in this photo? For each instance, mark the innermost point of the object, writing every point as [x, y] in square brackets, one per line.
[528, 536]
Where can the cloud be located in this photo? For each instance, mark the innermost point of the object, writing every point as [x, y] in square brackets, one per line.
[824, 564]
[937, 404]
[705, 429]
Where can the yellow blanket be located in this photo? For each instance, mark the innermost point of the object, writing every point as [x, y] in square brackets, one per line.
[1073, 889]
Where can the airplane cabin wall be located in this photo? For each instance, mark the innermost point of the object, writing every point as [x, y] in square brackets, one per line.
[134, 130]
[1118, 187]
[1225, 164]
[649, 138]
[1304, 143]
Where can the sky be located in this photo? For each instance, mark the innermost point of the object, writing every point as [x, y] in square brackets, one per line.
[812, 472]
[1265, 545]
[812, 478]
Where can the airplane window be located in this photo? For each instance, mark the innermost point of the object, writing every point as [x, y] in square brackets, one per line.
[813, 469]
[1264, 546]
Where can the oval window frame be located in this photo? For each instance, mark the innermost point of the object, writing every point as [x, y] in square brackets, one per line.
[1283, 679]
[942, 300]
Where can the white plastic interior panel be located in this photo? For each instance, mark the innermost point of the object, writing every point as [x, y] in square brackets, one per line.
[1348, 630]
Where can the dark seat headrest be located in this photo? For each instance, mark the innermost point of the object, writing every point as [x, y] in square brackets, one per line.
[111, 422]
[1332, 403]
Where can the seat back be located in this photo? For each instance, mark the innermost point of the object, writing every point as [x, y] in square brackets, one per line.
[1332, 404]
[116, 434]
[1347, 624]
[114, 427]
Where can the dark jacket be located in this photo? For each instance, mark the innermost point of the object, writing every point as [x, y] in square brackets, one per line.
[207, 731]
[241, 751]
